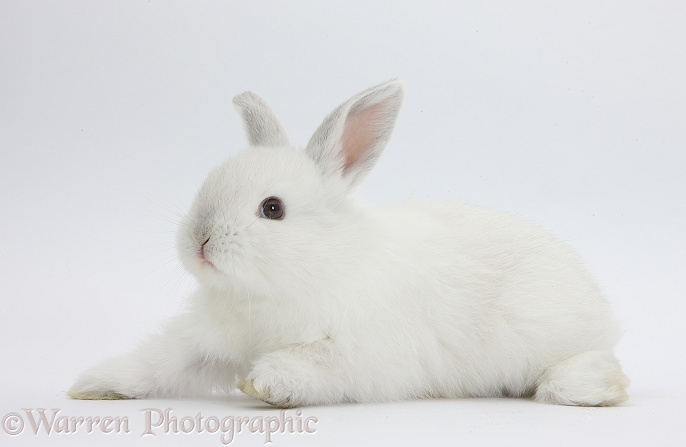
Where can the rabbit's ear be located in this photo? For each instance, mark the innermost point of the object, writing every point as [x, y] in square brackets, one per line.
[261, 125]
[351, 138]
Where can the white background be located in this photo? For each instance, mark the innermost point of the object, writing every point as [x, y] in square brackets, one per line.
[572, 114]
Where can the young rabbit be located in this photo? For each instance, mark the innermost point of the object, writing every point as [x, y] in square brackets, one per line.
[306, 297]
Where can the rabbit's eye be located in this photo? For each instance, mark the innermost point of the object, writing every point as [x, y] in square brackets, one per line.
[272, 208]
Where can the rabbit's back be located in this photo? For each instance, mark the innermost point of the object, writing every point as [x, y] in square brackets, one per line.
[480, 301]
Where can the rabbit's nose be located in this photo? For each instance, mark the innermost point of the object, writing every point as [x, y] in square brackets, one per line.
[202, 249]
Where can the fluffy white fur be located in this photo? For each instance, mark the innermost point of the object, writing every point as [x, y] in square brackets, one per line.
[338, 302]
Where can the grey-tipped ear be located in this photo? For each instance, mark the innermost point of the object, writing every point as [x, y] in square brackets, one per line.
[352, 137]
[261, 125]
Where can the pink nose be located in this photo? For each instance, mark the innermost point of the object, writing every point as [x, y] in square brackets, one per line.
[201, 253]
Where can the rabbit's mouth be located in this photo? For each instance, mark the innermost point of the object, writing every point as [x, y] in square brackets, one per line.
[205, 261]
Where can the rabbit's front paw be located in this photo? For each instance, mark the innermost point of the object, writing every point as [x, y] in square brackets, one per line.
[263, 393]
[117, 378]
[101, 388]
[300, 375]
[274, 380]
[96, 395]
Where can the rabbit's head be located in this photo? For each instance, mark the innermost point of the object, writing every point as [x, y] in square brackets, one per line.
[276, 219]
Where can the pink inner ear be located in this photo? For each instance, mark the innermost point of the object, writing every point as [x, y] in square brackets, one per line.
[362, 128]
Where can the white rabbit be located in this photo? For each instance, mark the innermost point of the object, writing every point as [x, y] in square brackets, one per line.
[309, 298]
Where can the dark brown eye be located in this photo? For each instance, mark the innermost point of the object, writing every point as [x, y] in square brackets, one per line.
[272, 208]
